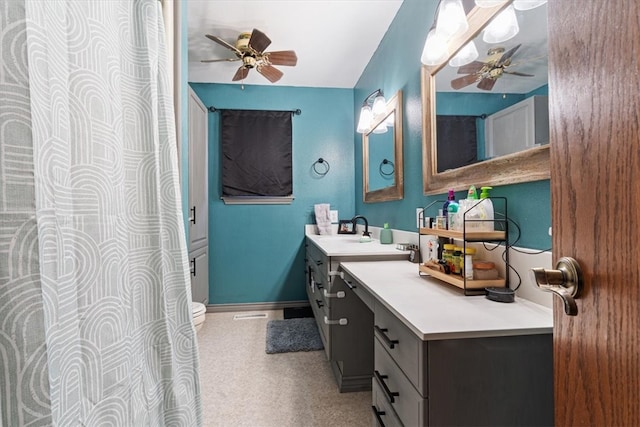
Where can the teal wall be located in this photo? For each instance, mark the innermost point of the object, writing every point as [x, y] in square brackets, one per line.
[396, 66]
[256, 252]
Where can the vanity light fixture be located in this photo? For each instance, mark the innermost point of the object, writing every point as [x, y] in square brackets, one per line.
[369, 112]
[435, 49]
[527, 4]
[488, 3]
[452, 20]
[503, 27]
[466, 55]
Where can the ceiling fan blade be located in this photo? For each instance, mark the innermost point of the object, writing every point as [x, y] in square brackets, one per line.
[220, 60]
[271, 73]
[259, 41]
[282, 57]
[224, 43]
[487, 83]
[241, 74]
[472, 67]
[463, 81]
[507, 55]
[517, 73]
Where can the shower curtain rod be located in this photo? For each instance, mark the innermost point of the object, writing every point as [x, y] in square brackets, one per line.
[295, 112]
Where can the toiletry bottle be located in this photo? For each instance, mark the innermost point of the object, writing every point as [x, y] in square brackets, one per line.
[471, 213]
[385, 234]
[487, 207]
[445, 208]
[452, 216]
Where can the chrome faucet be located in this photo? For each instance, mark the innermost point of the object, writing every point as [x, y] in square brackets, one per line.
[366, 224]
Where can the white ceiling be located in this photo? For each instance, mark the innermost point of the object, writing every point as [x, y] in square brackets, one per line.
[333, 39]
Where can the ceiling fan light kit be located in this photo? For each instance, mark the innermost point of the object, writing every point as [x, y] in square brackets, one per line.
[250, 49]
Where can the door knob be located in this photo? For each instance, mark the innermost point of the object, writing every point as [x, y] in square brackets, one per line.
[565, 281]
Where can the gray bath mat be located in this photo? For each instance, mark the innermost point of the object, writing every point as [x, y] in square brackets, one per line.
[288, 335]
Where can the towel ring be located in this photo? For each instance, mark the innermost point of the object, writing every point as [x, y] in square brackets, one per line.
[321, 161]
[387, 162]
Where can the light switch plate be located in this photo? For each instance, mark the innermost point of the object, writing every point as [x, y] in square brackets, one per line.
[334, 217]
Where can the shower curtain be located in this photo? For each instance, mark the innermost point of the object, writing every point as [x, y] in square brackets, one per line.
[95, 316]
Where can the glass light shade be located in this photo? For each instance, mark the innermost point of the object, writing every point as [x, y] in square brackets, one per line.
[488, 3]
[452, 20]
[435, 49]
[381, 128]
[503, 27]
[379, 105]
[390, 121]
[527, 4]
[365, 119]
[467, 54]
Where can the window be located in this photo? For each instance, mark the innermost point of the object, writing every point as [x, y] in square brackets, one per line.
[256, 156]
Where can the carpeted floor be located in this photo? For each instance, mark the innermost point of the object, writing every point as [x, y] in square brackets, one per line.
[242, 385]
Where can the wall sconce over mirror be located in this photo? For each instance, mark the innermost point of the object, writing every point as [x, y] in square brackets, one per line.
[373, 107]
[382, 165]
[506, 78]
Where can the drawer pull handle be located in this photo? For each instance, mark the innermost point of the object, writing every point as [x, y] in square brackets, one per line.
[193, 267]
[339, 294]
[319, 285]
[391, 395]
[320, 304]
[342, 321]
[378, 415]
[390, 343]
[350, 284]
[319, 263]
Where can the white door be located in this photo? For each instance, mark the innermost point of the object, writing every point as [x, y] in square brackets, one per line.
[198, 177]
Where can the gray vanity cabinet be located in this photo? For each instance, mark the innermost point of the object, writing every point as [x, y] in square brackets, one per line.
[343, 319]
[503, 380]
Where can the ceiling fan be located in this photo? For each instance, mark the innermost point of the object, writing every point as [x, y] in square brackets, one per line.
[249, 49]
[487, 72]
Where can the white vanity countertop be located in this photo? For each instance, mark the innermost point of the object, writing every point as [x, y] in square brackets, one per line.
[349, 245]
[436, 310]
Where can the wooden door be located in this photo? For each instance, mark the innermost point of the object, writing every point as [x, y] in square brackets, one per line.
[595, 195]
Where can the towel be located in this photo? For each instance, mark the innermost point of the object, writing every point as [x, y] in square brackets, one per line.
[323, 218]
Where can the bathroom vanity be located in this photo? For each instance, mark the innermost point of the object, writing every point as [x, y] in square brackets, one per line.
[442, 358]
[343, 319]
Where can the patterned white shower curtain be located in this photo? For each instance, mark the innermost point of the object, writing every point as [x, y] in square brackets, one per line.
[95, 316]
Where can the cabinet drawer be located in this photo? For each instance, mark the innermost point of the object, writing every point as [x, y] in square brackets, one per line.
[403, 346]
[398, 391]
[386, 416]
[360, 292]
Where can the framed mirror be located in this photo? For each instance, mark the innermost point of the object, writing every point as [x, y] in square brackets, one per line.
[458, 103]
[382, 164]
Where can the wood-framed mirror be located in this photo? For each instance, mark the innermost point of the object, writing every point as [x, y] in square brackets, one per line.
[382, 165]
[530, 164]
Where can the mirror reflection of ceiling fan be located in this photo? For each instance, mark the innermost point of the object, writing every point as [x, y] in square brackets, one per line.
[487, 72]
[249, 49]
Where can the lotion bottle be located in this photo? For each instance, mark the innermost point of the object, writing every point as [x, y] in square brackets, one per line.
[385, 234]
[486, 208]
[445, 208]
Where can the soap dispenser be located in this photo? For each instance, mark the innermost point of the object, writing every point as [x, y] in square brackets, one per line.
[385, 234]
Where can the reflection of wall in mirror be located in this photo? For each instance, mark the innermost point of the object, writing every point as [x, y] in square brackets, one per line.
[381, 146]
[475, 104]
